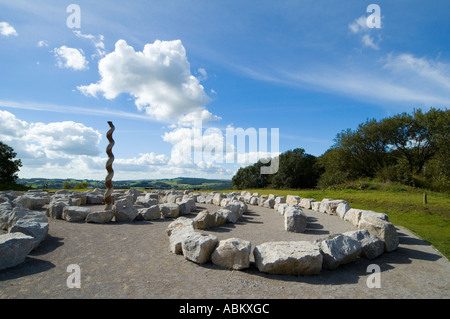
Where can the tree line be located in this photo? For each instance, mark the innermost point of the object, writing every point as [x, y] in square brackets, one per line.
[412, 149]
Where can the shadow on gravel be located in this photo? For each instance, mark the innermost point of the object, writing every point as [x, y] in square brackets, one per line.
[49, 244]
[29, 267]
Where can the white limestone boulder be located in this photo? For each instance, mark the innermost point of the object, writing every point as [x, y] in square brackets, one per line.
[124, 211]
[75, 213]
[295, 220]
[101, 217]
[232, 253]
[339, 250]
[149, 213]
[14, 248]
[288, 258]
[382, 229]
[371, 246]
[306, 202]
[170, 210]
[293, 200]
[198, 247]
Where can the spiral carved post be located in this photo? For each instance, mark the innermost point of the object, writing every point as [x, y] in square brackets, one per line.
[108, 180]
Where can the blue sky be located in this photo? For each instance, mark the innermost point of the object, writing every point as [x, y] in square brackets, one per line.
[308, 68]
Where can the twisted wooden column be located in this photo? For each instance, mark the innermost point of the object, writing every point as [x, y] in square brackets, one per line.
[108, 180]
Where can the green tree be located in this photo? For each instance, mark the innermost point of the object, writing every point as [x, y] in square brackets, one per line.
[8, 165]
[296, 170]
[67, 185]
[249, 177]
[81, 185]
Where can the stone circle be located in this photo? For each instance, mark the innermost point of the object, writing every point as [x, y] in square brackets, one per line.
[374, 234]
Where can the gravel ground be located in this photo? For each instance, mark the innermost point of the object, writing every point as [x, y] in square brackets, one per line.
[132, 260]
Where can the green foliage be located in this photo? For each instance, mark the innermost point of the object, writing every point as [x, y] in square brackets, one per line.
[8, 165]
[249, 177]
[412, 149]
[296, 170]
[67, 185]
[81, 185]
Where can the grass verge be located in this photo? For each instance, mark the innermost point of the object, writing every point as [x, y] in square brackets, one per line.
[430, 222]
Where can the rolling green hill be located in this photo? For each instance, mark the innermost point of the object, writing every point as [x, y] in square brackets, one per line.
[175, 183]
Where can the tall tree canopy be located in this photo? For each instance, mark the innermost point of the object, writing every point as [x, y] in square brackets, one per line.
[8, 165]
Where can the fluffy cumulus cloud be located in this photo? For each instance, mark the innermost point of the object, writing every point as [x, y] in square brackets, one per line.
[7, 30]
[158, 78]
[71, 58]
[40, 145]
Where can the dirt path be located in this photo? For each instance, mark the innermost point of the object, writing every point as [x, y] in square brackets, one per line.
[132, 260]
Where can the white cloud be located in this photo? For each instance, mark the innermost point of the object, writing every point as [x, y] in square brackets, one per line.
[158, 78]
[71, 58]
[7, 30]
[50, 145]
[359, 27]
[43, 43]
[97, 41]
[368, 41]
[419, 68]
[71, 150]
[360, 24]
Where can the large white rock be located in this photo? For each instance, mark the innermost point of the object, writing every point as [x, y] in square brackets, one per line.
[150, 213]
[198, 247]
[37, 230]
[323, 205]
[180, 222]
[205, 220]
[30, 202]
[75, 213]
[382, 229]
[28, 222]
[177, 236]
[339, 250]
[306, 202]
[101, 217]
[95, 199]
[170, 210]
[282, 208]
[330, 206]
[14, 248]
[280, 200]
[342, 209]
[232, 253]
[124, 211]
[253, 201]
[288, 258]
[187, 206]
[230, 216]
[55, 209]
[293, 200]
[146, 202]
[5, 210]
[218, 198]
[315, 206]
[352, 216]
[295, 220]
[372, 246]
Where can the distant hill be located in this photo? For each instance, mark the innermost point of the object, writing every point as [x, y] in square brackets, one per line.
[174, 183]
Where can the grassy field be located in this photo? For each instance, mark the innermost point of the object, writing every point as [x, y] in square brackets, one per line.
[404, 206]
